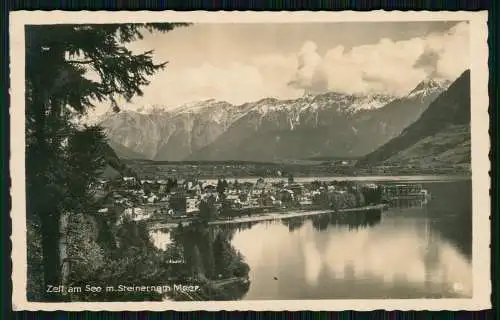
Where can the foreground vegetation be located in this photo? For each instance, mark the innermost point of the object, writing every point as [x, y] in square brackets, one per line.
[64, 158]
[103, 255]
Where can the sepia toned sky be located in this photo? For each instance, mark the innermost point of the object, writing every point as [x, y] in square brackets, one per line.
[246, 62]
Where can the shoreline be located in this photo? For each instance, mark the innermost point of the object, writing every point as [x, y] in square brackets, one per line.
[360, 178]
[269, 217]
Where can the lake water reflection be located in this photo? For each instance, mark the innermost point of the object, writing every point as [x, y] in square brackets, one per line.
[409, 251]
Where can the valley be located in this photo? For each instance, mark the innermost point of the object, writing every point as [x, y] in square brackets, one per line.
[329, 134]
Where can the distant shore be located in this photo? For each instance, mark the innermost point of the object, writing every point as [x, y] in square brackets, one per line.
[367, 178]
[419, 178]
[298, 168]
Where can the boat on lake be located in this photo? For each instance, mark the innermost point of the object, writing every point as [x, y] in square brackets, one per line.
[391, 192]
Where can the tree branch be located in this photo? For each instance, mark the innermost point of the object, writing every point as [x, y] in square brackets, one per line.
[80, 61]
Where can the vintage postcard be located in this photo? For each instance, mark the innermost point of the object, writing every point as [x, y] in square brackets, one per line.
[250, 161]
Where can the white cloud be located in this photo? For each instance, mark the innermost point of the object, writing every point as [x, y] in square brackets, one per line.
[236, 83]
[391, 67]
[309, 73]
[388, 66]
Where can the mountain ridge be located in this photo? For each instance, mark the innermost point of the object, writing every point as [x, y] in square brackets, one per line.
[442, 128]
[218, 130]
[331, 129]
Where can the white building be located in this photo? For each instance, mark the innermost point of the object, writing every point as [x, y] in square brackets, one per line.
[192, 205]
[152, 199]
[305, 201]
[276, 202]
[136, 214]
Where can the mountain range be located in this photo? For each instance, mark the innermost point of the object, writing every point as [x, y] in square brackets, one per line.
[440, 137]
[330, 124]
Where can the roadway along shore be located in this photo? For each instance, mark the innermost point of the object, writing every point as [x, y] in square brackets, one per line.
[269, 216]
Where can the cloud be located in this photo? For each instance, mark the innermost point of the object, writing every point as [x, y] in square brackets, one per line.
[235, 82]
[387, 66]
[309, 74]
[428, 61]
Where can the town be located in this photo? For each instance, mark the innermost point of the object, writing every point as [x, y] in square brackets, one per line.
[174, 200]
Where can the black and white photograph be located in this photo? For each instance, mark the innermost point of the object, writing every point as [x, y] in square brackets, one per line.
[250, 161]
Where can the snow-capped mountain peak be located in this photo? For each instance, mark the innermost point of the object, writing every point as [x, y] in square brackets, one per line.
[212, 129]
[428, 86]
[369, 102]
[199, 106]
[348, 103]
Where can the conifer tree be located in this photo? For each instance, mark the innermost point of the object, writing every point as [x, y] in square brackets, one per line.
[58, 90]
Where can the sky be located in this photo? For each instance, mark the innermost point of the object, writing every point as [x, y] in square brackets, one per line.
[240, 63]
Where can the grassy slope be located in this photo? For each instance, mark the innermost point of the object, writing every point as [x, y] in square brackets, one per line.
[449, 147]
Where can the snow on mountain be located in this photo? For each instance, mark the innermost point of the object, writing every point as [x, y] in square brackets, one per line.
[197, 106]
[311, 105]
[369, 102]
[326, 124]
[217, 128]
[441, 135]
[428, 87]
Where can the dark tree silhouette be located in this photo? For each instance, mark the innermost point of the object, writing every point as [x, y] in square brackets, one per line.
[315, 185]
[221, 186]
[57, 90]
[170, 185]
[86, 157]
[207, 208]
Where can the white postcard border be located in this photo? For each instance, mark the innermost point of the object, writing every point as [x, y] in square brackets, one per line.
[480, 145]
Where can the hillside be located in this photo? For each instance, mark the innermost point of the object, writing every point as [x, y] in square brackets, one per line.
[448, 147]
[325, 125]
[440, 136]
[124, 152]
[330, 124]
[115, 167]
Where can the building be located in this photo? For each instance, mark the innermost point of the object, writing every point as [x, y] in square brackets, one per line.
[297, 188]
[404, 191]
[135, 214]
[287, 195]
[152, 199]
[210, 188]
[253, 202]
[102, 184]
[234, 201]
[162, 189]
[276, 202]
[305, 201]
[192, 206]
[103, 211]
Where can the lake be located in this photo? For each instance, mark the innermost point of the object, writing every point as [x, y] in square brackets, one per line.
[411, 250]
